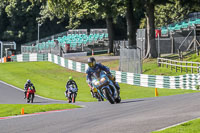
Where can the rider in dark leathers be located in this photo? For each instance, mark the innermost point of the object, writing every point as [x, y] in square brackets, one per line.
[27, 85]
[70, 82]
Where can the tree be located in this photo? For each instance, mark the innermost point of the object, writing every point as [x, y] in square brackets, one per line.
[20, 16]
[170, 13]
[131, 25]
[3, 18]
[79, 9]
[192, 4]
[149, 5]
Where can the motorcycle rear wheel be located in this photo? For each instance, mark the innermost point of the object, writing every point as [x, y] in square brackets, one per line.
[118, 100]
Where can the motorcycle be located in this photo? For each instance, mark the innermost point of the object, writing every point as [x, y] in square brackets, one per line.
[72, 93]
[95, 93]
[30, 95]
[105, 87]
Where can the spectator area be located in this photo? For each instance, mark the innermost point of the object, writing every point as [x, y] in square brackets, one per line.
[74, 39]
[187, 24]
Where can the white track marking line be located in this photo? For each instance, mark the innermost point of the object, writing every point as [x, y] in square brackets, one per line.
[177, 124]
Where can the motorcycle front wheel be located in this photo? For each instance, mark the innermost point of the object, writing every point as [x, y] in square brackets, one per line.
[28, 99]
[99, 97]
[108, 96]
[73, 97]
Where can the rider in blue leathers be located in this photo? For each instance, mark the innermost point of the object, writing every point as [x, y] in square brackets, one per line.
[94, 67]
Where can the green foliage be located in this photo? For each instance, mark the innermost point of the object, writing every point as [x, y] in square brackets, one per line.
[17, 13]
[192, 4]
[19, 18]
[167, 12]
[170, 13]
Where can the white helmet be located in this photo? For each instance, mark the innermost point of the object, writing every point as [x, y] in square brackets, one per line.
[28, 81]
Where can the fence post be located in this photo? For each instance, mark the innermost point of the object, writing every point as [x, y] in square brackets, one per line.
[186, 66]
[171, 64]
[167, 64]
[179, 54]
[192, 67]
[198, 68]
[176, 66]
[158, 62]
[181, 67]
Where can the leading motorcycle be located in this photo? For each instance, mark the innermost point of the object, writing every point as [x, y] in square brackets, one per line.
[105, 87]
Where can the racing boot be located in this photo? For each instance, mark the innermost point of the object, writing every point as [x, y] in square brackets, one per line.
[92, 93]
[118, 88]
[25, 95]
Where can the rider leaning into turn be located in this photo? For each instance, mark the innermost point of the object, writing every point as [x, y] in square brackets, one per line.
[27, 85]
[70, 82]
[94, 67]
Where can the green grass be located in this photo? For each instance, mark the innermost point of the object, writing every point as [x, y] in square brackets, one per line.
[113, 65]
[192, 57]
[15, 109]
[188, 127]
[50, 80]
[150, 66]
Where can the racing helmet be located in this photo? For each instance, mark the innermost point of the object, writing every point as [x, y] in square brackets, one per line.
[28, 81]
[91, 62]
[70, 78]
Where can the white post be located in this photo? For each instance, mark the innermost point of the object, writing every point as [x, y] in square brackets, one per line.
[39, 32]
[158, 45]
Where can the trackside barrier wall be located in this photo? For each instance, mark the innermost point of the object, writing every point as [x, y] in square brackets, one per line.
[188, 81]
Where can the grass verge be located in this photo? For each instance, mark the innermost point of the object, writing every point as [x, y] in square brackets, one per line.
[188, 127]
[15, 109]
[150, 66]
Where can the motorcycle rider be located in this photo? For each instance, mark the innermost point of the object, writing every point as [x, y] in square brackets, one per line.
[94, 67]
[69, 83]
[27, 85]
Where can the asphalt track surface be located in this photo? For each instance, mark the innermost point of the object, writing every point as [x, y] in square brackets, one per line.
[130, 116]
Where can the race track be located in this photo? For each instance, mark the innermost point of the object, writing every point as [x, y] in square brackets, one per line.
[130, 116]
[13, 95]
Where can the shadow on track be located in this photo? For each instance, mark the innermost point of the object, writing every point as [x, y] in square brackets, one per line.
[131, 101]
